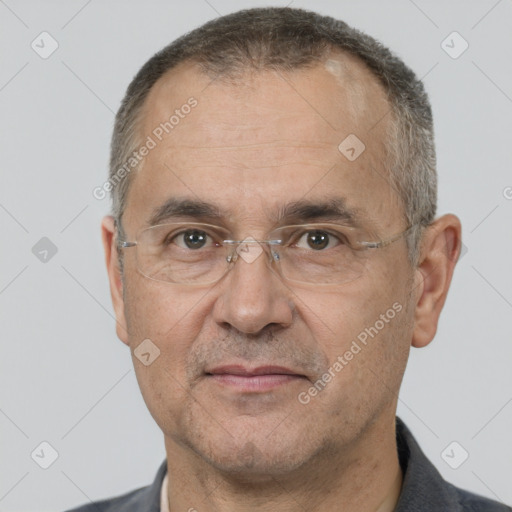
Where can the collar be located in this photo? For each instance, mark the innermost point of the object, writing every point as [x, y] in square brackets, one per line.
[164, 495]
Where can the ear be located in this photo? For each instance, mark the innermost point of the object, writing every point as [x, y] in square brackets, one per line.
[108, 235]
[440, 249]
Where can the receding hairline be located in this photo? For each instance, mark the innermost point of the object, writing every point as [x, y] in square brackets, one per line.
[356, 69]
[237, 75]
[357, 77]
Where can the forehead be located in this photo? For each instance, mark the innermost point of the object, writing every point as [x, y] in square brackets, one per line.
[265, 138]
[335, 95]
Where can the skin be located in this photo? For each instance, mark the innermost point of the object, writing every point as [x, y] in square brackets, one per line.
[250, 146]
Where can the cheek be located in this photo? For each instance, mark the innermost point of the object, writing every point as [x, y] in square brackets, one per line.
[171, 318]
[158, 309]
[367, 324]
[337, 316]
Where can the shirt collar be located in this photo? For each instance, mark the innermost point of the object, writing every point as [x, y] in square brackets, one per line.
[164, 496]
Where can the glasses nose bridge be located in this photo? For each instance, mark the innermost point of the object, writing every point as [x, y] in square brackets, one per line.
[250, 250]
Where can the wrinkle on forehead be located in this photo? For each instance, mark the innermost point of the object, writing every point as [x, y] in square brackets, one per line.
[256, 156]
[339, 94]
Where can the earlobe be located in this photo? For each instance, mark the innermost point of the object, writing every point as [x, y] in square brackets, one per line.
[108, 235]
[439, 253]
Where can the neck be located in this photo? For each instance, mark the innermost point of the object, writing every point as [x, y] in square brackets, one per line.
[362, 477]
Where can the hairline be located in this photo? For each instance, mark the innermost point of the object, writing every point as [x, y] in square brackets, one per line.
[140, 113]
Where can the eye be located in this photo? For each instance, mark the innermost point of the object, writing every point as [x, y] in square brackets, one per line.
[192, 239]
[317, 240]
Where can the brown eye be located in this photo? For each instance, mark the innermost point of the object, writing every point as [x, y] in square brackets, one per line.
[317, 240]
[191, 239]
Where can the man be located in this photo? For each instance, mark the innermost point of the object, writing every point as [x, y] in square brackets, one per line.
[273, 254]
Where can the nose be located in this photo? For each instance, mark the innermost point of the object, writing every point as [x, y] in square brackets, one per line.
[252, 296]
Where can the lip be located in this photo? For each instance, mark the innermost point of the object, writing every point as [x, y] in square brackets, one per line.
[259, 379]
[238, 369]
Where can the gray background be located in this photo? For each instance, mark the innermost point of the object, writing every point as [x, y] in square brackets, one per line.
[67, 380]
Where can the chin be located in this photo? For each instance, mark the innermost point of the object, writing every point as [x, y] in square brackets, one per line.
[252, 463]
[246, 452]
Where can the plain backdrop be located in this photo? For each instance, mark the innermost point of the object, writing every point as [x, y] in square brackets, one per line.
[68, 381]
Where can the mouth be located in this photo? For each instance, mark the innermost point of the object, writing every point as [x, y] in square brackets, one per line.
[260, 379]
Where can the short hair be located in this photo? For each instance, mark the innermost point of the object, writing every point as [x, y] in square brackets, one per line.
[287, 39]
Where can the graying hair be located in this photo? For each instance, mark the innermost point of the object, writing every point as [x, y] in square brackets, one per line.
[288, 39]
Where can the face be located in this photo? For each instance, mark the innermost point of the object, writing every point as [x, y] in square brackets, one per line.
[250, 148]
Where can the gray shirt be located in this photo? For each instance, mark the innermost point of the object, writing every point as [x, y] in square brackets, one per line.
[423, 488]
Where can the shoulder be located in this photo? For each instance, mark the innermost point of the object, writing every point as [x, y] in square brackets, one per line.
[425, 489]
[145, 499]
[474, 503]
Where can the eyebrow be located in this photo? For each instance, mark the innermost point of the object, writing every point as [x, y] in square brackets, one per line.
[179, 207]
[333, 209]
[302, 211]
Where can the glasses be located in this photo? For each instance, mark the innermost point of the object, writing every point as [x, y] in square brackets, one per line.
[200, 254]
